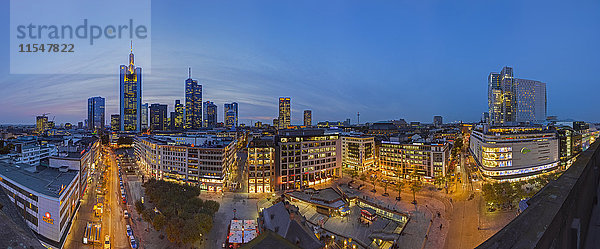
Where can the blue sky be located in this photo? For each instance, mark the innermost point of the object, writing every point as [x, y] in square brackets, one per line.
[384, 59]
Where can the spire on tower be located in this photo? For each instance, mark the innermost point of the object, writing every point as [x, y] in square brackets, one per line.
[131, 46]
[189, 72]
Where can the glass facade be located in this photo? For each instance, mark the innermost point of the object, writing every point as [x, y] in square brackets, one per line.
[130, 96]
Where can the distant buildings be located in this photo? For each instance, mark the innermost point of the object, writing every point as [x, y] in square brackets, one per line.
[358, 153]
[144, 116]
[231, 115]
[438, 121]
[284, 113]
[178, 119]
[193, 103]
[115, 122]
[41, 124]
[512, 100]
[158, 117]
[514, 153]
[201, 160]
[210, 115]
[96, 114]
[307, 118]
[130, 96]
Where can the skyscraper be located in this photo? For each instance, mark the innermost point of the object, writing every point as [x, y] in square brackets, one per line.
[96, 113]
[231, 115]
[158, 117]
[284, 112]
[531, 100]
[512, 100]
[307, 118]
[179, 112]
[41, 124]
[437, 120]
[130, 96]
[210, 115]
[193, 103]
[115, 121]
[144, 116]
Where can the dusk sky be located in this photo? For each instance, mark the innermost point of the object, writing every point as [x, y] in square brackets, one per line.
[384, 59]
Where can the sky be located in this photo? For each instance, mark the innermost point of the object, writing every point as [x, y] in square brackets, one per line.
[384, 59]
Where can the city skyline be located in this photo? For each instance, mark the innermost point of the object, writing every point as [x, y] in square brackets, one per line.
[381, 67]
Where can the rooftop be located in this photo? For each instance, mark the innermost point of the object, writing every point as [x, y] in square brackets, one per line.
[43, 180]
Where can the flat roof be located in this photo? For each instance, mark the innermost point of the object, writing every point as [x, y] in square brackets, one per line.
[44, 180]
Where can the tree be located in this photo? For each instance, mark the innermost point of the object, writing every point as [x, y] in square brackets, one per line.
[159, 222]
[373, 180]
[438, 180]
[139, 206]
[353, 174]
[414, 185]
[400, 185]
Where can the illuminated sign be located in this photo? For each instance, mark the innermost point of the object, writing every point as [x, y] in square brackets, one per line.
[47, 218]
[525, 150]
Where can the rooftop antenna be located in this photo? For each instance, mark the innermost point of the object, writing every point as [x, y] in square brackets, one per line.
[132, 46]
[358, 117]
[189, 72]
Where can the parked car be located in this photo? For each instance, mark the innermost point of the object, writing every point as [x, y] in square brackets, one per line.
[125, 214]
[129, 231]
[133, 242]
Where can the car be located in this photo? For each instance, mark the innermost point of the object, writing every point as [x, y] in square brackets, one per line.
[106, 242]
[132, 242]
[129, 231]
[125, 214]
[124, 200]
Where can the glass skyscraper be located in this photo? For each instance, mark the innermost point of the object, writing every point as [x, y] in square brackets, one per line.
[130, 96]
[96, 113]
[144, 116]
[531, 100]
[284, 113]
[158, 117]
[231, 115]
[178, 115]
[193, 103]
[307, 118]
[210, 115]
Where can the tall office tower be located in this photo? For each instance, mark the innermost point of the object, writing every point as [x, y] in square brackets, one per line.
[307, 118]
[485, 117]
[144, 116]
[41, 124]
[531, 100]
[276, 123]
[231, 115]
[96, 113]
[115, 122]
[179, 112]
[284, 112]
[79, 125]
[501, 97]
[158, 117]
[172, 121]
[130, 96]
[210, 115]
[438, 120]
[193, 103]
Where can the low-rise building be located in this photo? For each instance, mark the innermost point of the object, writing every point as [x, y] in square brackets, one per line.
[428, 159]
[201, 160]
[261, 165]
[358, 152]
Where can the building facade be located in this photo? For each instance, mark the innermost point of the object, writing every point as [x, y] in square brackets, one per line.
[531, 101]
[284, 113]
[145, 117]
[261, 165]
[179, 111]
[210, 115]
[514, 153]
[307, 118]
[193, 103]
[231, 115]
[41, 124]
[203, 161]
[438, 121]
[427, 159]
[306, 157]
[130, 96]
[115, 122]
[96, 113]
[358, 153]
[158, 117]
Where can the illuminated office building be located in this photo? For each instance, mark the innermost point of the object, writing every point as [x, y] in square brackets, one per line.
[358, 152]
[115, 121]
[531, 101]
[179, 111]
[41, 124]
[261, 165]
[307, 118]
[231, 115]
[210, 115]
[193, 103]
[284, 113]
[427, 159]
[96, 113]
[158, 117]
[145, 117]
[130, 96]
[514, 153]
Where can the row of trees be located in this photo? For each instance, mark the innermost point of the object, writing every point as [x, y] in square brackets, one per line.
[184, 217]
[505, 194]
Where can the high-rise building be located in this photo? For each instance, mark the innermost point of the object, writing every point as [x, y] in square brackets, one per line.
[261, 165]
[210, 115]
[531, 101]
[307, 118]
[115, 122]
[79, 125]
[193, 103]
[96, 113]
[41, 124]
[284, 112]
[231, 115]
[158, 117]
[438, 120]
[130, 96]
[179, 113]
[144, 116]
